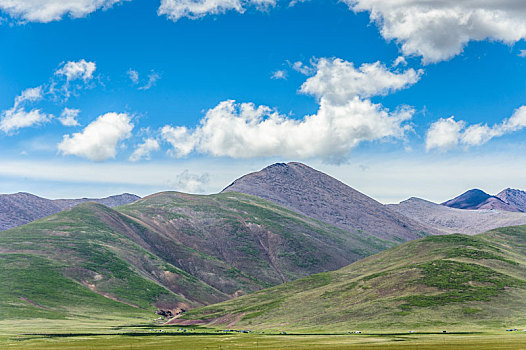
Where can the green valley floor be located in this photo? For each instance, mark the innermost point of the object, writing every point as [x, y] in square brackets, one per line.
[102, 335]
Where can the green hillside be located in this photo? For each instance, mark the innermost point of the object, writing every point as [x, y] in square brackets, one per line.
[439, 282]
[262, 240]
[85, 262]
[168, 251]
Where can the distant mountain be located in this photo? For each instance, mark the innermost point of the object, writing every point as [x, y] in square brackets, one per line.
[452, 220]
[169, 251]
[452, 282]
[478, 199]
[21, 208]
[111, 201]
[514, 198]
[317, 195]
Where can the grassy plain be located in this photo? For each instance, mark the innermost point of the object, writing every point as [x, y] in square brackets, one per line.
[101, 335]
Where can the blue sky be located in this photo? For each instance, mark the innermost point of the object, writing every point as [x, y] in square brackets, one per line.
[150, 85]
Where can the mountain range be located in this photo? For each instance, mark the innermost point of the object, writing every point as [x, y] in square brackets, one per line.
[285, 246]
[21, 208]
[452, 220]
[506, 200]
[169, 251]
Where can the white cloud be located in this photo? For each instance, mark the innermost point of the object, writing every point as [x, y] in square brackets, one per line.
[193, 9]
[69, 117]
[181, 139]
[400, 61]
[522, 53]
[303, 68]
[52, 10]
[190, 182]
[133, 75]
[344, 119]
[14, 119]
[152, 79]
[98, 141]
[439, 30]
[74, 70]
[338, 80]
[448, 133]
[144, 150]
[17, 117]
[30, 95]
[295, 2]
[279, 74]
[444, 134]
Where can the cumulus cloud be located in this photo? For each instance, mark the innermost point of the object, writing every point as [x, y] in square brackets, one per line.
[439, 30]
[245, 130]
[181, 139]
[99, 140]
[522, 53]
[52, 10]
[279, 75]
[74, 70]
[445, 134]
[68, 117]
[344, 120]
[30, 95]
[17, 117]
[144, 150]
[193, 9]
[338, 80]
[14, 119]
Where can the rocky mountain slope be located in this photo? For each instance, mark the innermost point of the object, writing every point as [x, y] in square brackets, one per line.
[478, 199]
[452, 282]
[170, 251]
[514, 198]
[315, 194]
[452, 220]
[21, 208]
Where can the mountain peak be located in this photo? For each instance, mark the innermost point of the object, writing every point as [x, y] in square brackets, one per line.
[513, 197]
[470, 199]
[477, 199]
[320, 196]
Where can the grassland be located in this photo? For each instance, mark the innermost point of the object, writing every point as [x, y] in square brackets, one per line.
[454, 281]
[97, 336]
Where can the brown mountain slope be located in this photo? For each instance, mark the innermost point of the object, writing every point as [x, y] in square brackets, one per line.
[315, 194]
[264, 241]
